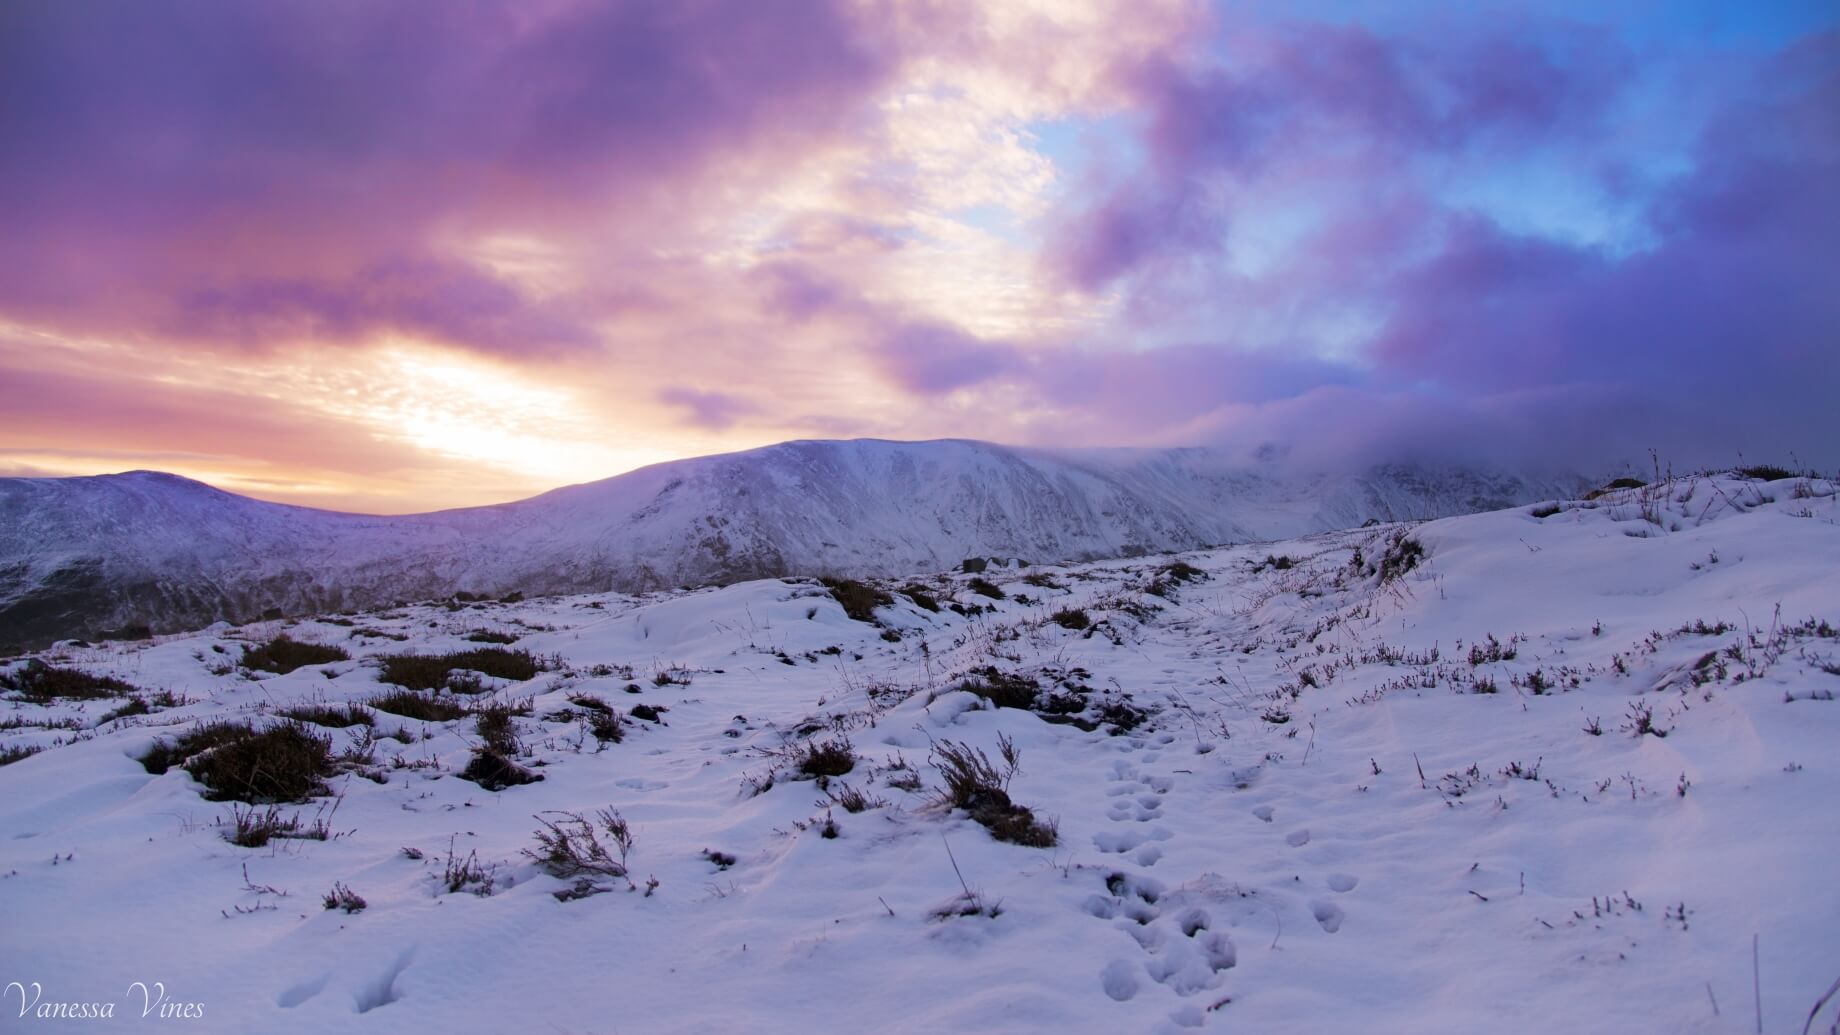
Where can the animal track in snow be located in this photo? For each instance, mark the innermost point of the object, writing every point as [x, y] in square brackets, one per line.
[1119, 979]
[302, 992]
[1186, 957]
[1123, 842]
[1297, 838]
[383, 990]
[1342, 882]
[1139, 798]
[1328, 914]
[1194, 921]
[1149, 889]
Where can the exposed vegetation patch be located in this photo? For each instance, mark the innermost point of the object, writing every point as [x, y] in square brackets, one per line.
[415, 671]
[278, 764]
[494, 725]
[168, 753]
[430, 671]
[1121, 716]
[342, 897]
[830, 758]
[1001, 689]
[133, 706]
[1175, 574]
[1182, 571]
[1402, 555]
[921, 596]
[1769, 473]
[569, 845]
[335, 716]
[17, 752]
[1071, 703]
[253, 828]
[602, 720]
[606, 727]
[283, 654]
[985, 588]
[853, 800]
[493, 771]
[41, 682]
[975, 784]
[426, 707]
[1071, 618]
[1614, 485]
[859, 599]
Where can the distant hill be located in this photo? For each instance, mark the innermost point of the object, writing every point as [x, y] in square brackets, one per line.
[81, 556]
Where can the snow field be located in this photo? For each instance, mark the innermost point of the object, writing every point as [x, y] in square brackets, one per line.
[1262, 854]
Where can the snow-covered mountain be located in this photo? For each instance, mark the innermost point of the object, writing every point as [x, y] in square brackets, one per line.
[79, 556]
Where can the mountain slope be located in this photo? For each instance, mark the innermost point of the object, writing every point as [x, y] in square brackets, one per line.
[83, 555]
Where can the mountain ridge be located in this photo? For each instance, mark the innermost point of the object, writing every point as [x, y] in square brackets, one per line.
[82, 556]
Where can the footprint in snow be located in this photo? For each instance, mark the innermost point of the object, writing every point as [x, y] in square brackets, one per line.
[1343, 882]
[1297, 838]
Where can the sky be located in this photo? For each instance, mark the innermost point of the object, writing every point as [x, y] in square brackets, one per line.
[433, 253]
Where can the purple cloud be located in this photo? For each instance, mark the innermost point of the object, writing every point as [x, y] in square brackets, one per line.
[232, 169]
[711, 411]
[438, 300]
[932, 359]
[1716, 335]
[1308, 100]
[1740, 300]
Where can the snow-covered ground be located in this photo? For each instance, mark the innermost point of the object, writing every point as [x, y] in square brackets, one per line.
[1325, 824]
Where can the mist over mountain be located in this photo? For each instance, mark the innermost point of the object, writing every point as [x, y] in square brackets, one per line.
[81, 556]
